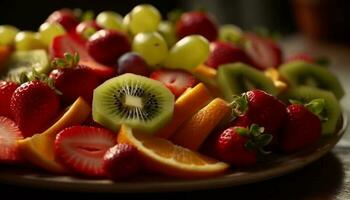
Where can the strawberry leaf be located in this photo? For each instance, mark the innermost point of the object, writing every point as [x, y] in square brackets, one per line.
[242, 131]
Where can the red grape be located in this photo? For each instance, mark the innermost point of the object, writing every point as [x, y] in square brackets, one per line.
[132, 63]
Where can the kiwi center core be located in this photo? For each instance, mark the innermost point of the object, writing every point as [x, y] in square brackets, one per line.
[133, 101]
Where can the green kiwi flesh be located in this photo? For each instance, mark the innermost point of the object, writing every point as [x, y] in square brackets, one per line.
[26, 61]
[332, 108]
[235, 79]
[139, 102]
[302, 73]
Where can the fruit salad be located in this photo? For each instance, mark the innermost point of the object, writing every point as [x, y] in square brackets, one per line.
[118, 97]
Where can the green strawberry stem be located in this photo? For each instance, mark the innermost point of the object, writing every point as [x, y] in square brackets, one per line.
[69, 61]
[316, 106]
[257, 139]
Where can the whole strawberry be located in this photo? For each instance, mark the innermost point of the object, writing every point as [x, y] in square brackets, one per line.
[223, 53]
[196, 22]
[34, 105]
[240, 146]
[263, 109]
[6, 90]
[73, 80]
[121, 161]
[303, 127]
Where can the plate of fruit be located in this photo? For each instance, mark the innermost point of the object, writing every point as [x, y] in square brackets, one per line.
[144, 104]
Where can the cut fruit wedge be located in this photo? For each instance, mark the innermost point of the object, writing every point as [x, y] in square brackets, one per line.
[5, 52]
[185, 106]
[162, 156]
[39, 149]
[278, 81]
[208, 76]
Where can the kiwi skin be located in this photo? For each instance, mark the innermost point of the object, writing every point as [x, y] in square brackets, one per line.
[332, 107]
[104, 106]
[299, 73]
[233, 79]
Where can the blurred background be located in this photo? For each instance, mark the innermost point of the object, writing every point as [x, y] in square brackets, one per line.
[318, 19]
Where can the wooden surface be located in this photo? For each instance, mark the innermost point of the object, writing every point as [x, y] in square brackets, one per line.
[326, 179]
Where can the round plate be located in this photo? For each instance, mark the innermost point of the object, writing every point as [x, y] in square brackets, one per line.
[276, 165]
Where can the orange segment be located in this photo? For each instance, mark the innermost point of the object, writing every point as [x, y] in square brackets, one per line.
[186, 106]
[208, 76]
[195, 130]
[160, 155]
[278, 81]
[5, 52]
[39, 150]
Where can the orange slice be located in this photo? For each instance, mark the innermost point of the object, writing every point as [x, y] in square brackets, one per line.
[5, 52]
[160, 155]
[208, 76]
[194, 131]
[39, 149]
[275, 76]
[186, 106]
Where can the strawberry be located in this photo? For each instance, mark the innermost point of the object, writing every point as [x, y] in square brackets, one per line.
[6, 90]
[196, 22]
[116, 43]
[177, 81]
[121, 162]
[65, 17]
[9, 134]
[262, 109]
[303, 127]
[81, 149]
[34, 105]
[263, 52]
[239, 146]
[300, 56]
[73, 80]
[72, 43]
[223, 53]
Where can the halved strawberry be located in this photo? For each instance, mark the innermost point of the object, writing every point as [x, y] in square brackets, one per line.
[9, 134]
[176, 80]
[72, 43]
[81, 149]
[263, 52]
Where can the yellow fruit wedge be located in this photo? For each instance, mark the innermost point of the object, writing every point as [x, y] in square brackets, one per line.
[195, 130]
[5, 52]
[208, 76]
[39, 149]
[162, 156]
[185, 106]
[278, 81]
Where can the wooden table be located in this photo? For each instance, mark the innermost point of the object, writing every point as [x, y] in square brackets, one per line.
[328, 178]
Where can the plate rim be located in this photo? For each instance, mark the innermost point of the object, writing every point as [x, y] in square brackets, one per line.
[68, 183]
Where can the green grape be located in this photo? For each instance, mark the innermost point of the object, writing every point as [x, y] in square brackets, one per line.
[230, 33]
[27, 40]
[188, 53]
[143, 18]
[167, 30]
[151, 46]
[48, 31]
[7, 34]
[110, 20]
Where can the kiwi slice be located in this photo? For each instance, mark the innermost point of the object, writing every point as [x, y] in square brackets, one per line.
[141, 103]
[302, 73]
[26, 61]
[332, 110]
[234, 79]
